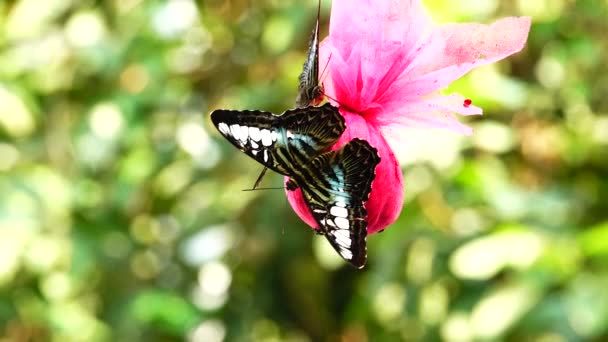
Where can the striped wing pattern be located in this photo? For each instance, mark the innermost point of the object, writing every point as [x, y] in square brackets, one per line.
[335, 185]
[310, 92]
[281, 142]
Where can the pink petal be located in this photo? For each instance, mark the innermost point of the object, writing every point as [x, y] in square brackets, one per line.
[375, 21]
[344, 74]
[386, 199]
[455, 49]
[478, 43]
[458, 104]
[372, 43]
[431, 112]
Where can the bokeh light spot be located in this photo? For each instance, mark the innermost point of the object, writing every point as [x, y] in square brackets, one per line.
[175, 17]
[278, 34]
[518, 249]
[208, 331]
[15, 117]
[493, 137]
[496, 312]
[145, 264]
[434, 302]
[209, 243]
[10, 156]
[389, 303]
[106, 120]
[550, 72]
[85, 29]
[214, 278]
[419, 267]
[456, 328]
[134, 78]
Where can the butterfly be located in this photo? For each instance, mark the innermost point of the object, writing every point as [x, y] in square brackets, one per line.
[309, 90]
[335, 184]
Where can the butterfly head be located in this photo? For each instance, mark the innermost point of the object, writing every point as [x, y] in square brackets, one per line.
[318, 95]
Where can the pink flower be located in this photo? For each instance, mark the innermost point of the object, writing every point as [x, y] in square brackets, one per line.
[388, 62]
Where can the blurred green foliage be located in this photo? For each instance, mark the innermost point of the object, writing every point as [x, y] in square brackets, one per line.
[122, 216]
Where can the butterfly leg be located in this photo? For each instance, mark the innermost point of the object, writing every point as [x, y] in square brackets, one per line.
[257, 181]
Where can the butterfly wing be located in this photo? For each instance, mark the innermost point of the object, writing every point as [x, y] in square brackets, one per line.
[281, 142]
[309, 90]
[336, 185]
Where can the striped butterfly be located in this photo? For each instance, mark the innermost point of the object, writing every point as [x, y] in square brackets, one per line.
[335, 184]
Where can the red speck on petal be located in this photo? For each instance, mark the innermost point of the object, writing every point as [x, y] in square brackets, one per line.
[467, 103]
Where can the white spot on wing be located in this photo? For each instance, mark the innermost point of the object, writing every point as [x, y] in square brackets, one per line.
[289, 135]
[265, 155]
[223, 128]
[235, 131]
[344, 242]
[338, 211]
[254, 144]
[254, 134]
[273, 135]
[266, 137]
[341, 222]
[255, 152]
[328, 222]
[244, 133]
[342, 234]
[346, 254]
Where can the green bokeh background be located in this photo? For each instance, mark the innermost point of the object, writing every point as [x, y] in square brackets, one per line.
[122, 216]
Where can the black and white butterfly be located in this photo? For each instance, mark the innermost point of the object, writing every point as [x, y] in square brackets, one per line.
[335, 184]
[310, 92]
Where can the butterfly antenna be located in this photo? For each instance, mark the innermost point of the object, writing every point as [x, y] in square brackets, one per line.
[318, 13]
[323, 75]
[340, 103]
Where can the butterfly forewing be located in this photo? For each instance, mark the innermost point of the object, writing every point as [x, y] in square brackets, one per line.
[309, 90]
[281, 142]
[336, 186]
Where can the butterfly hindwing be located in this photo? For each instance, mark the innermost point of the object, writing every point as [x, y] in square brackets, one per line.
[281, 142]
[336, 185]
[310, 92]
